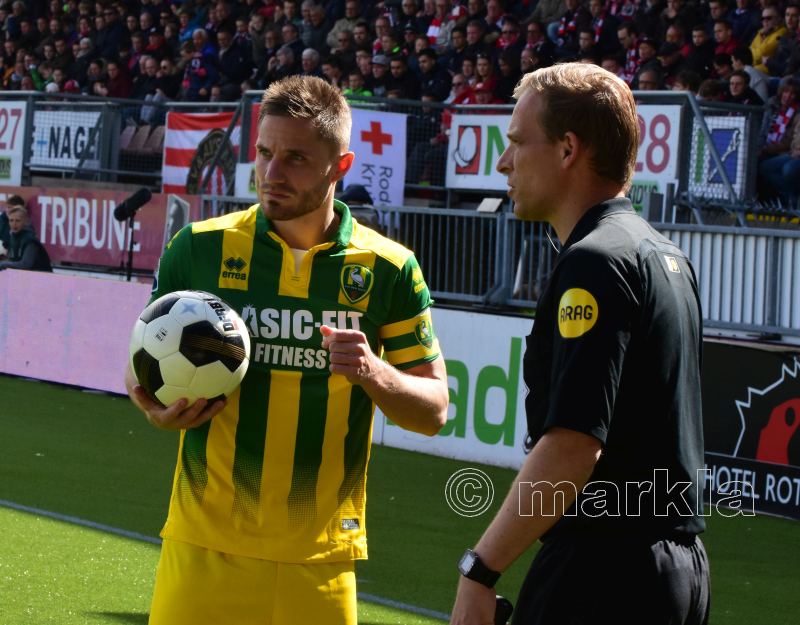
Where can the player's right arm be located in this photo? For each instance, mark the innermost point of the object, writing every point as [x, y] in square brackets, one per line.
[172, 275]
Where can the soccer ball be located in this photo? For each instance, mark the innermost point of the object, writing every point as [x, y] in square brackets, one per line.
[189, 344]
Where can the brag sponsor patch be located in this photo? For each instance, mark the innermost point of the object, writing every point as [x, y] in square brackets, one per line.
[577, 313]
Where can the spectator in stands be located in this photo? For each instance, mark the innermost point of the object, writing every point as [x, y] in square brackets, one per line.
[364, 64]
[379, 81]
[627, 37]
[765, 43]
[777, 63]
[648, 19]
[352, 14]
[362, 37]
[355, 85]
[510, 39]
[235, 65]
[717, 10]
[648, 60]
[280, 66]
[333, 73]
[586, 47]
[676, 34]
[315, 31]
[611, 63]
[12, 201]
[672, 64]
[739, 91]
[85, 54]
[468, 70]
[701, 56]
[711, 90]
[390, 46]
[742, 58]
[137, 51]
[382, 27]
[199, 74]
[780, 113]
[310, 63]
[723, 36]
[64, 58]
[745, 20]
[402, 80]
[604, 26]
[118, 82]
[677, 11]
[256, 28]
[441, 26]
[116, 32]
[484, 72]
[434, 80]
[687, 80]
[461, 92]
[425, 144]
[575, 19]
[549, 14]
[169, 79]
[25, 251]
[649, 80]
[779, 171]
[723, 68]
[476, 29]
[145, 83]
[290, 35]
[509, 75]
[345, 50]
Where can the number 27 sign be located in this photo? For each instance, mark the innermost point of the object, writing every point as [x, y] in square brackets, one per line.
[12, 141]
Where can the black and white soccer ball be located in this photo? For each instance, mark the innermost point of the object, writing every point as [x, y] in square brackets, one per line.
[189, 344]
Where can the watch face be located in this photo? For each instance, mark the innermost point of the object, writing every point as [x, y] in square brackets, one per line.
[467, 560]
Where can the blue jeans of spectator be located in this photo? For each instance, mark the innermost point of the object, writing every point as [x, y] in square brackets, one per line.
[781, 176]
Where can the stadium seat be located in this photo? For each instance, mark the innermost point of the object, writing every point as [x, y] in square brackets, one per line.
[155, 142]
[139, 139]
[126, 136]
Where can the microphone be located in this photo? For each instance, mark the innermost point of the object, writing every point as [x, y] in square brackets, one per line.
[128, 208]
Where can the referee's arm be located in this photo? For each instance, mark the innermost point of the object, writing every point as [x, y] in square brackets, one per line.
[559, 465]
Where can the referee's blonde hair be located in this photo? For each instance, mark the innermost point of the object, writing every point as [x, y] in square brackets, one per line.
[309, 97]
[594, 104]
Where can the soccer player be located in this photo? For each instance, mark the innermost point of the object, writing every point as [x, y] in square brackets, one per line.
[611, 484]
[266, 516]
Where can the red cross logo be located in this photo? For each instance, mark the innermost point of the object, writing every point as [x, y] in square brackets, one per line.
[376, 137]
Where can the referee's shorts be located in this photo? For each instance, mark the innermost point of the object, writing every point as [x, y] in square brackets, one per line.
[576, 581]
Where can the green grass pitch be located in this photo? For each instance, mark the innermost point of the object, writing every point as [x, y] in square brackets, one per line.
[92, 457]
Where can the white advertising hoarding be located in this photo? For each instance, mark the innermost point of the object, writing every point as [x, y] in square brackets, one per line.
[379, 143]
[12, 141]
[62, 139]
[486, 422]
[477, 141]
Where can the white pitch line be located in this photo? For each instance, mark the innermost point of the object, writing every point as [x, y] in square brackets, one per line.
[399, 605]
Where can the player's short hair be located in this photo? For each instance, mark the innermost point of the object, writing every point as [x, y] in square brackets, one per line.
[309, 97]
[594, 104]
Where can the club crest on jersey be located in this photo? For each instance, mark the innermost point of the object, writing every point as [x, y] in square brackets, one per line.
[424, 333]
[356, 282]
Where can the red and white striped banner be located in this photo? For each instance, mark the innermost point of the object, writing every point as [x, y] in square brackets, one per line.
[184, 133]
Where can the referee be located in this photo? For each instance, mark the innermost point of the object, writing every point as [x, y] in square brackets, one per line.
[611, 484]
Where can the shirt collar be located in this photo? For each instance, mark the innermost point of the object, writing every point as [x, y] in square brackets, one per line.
[340, 239]
[593, 216]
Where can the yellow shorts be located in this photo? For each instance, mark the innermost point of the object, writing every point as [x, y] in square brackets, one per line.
[196, 586]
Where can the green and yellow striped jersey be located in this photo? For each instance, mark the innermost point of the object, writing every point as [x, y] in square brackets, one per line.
[280, 474]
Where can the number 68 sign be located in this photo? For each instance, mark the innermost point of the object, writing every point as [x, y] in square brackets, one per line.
[12, 141]
[657, 159]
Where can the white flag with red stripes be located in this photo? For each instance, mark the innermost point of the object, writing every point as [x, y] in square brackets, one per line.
[184, 134]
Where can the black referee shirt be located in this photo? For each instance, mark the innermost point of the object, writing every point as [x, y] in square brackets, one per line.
[615, 353]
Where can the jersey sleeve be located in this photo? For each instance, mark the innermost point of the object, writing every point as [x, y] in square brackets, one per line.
[407, 336]
[593, 320]
[174, 268]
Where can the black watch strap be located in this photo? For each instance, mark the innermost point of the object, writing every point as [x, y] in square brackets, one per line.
[471, 567]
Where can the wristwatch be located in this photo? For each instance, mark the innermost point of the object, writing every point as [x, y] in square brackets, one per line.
[471, 567]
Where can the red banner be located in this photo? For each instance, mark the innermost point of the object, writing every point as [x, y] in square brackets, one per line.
[78, 226]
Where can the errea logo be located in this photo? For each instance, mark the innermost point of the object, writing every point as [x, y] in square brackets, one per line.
[234, 268]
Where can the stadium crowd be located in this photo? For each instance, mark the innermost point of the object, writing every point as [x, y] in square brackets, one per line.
[452, 51]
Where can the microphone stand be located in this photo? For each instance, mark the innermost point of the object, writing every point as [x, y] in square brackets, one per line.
[129, 267]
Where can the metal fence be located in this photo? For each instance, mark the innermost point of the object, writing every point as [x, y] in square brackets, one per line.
[746, 273]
